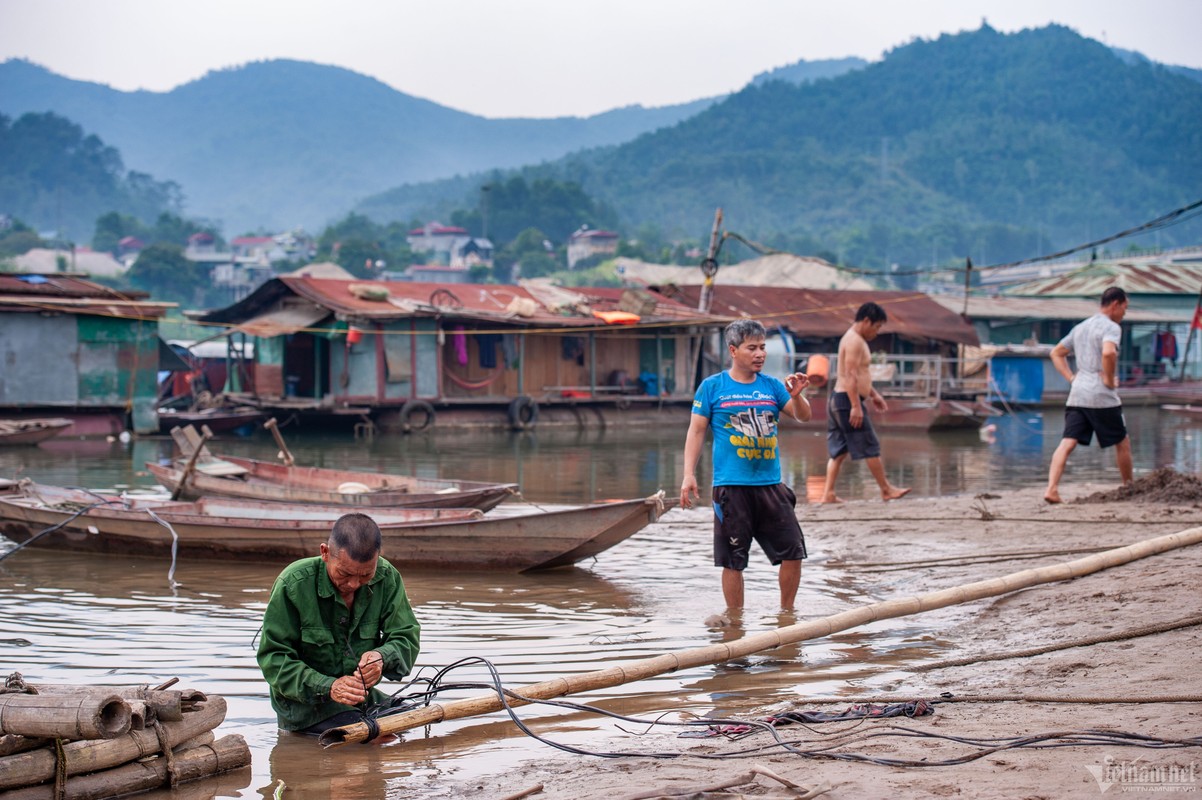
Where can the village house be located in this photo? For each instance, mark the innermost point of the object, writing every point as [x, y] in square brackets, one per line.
[106, 353]
[450, 246]
[918, 364]
[585, 242]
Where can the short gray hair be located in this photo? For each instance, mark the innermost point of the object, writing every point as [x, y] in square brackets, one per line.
[358, 536]
[741, 330]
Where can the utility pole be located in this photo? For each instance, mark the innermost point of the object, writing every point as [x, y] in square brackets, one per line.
[484, 208]
[709, 266]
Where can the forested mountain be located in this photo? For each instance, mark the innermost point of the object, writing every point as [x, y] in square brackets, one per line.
[983, 144]
[56, 176]
[807, 71]
[275, 144]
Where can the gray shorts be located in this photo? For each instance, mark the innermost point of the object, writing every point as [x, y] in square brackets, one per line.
[842, 438]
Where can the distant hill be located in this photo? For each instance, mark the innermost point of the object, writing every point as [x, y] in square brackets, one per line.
[279, 143]
[807, 71]
[983, 144]
[60, 178]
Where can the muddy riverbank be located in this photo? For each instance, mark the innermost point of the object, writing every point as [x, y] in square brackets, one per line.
[916, 546]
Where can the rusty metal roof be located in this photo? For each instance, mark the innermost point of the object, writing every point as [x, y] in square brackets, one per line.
[74, 295]
[981, 307]
[386, 300]
[827, 313]
[1135, 277]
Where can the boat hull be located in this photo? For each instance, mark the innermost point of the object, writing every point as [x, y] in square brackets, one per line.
[912, 414]
[278, 483]
[31, 431]
[462, 539]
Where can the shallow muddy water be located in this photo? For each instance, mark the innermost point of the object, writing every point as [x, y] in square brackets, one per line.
[71, 618]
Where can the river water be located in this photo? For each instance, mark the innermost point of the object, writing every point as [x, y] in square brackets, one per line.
[68, 618]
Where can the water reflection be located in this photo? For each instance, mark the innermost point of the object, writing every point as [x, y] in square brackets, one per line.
[75, 618]
[573, 466]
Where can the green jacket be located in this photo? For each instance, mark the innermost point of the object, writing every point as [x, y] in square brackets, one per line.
[310, 638]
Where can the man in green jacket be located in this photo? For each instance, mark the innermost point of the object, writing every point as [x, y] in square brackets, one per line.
[334, 626]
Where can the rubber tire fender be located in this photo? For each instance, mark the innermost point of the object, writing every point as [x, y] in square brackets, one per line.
[416, 408]
[523, 413]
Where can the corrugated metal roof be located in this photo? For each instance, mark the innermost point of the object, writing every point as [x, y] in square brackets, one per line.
[827, 313]
[781, 269]
[1055, 308]
[281, 321]
[1136, 278]
[483, 302]
[72, 294]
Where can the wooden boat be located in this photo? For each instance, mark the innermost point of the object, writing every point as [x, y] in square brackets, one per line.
[31, 431]
[1190, 411]
[219, 420]
[462, 539]
[228, 476]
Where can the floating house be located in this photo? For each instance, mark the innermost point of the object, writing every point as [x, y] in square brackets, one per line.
[917, 357]
[1169, 288]
[1017, 335]
[400, 354]
[81, 351]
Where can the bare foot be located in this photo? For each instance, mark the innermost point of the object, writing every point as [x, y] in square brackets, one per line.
[895, 493]
[830, 498]
[1051, 496]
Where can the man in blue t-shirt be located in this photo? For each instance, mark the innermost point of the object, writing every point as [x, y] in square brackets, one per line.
[742, 406]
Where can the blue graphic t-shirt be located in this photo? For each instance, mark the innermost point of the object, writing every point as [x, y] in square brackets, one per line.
[743, 422]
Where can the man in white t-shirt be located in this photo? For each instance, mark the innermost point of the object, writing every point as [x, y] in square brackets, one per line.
[1093, 404]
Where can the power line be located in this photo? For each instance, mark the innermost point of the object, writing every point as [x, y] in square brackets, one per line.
[1174, 217]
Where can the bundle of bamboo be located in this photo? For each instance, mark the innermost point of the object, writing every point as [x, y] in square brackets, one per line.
[92, 742]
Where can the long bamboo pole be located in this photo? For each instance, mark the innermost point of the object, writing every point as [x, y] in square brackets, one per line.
[718, 653]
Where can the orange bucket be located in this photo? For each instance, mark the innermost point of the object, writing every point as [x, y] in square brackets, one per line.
[354, 336]
[818, 368]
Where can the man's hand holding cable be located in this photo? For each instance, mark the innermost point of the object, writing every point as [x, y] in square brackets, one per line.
[371, 668]
[348, 690]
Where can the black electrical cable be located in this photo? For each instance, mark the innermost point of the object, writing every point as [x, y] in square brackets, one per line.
[986, 746]
[1174, 217]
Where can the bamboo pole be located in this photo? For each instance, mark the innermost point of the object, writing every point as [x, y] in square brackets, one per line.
[813, 629]
[161, 704]
[285, 455]
[227, 753]
[190, 466]
[84, 716]
[24, 769]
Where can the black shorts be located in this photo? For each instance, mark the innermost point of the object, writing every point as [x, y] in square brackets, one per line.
[842, 438]
[764, 513]
[1082, 423]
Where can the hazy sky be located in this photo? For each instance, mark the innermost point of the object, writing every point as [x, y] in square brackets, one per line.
[504, 58]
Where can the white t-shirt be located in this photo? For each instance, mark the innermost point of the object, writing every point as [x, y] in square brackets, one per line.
[1085, 342]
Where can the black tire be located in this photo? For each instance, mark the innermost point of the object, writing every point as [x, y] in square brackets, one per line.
[523, 413]
[416, 415]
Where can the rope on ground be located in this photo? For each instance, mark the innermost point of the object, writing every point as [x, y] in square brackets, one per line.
[982, 558]
[1130, 633]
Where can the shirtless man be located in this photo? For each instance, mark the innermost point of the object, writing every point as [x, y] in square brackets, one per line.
[848, 429]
